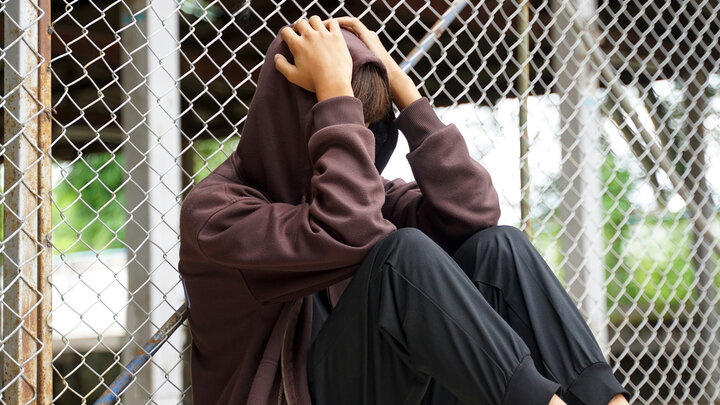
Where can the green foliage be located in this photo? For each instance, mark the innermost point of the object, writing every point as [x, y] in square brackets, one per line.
[548, 241]
[647, 259]
[660, 250]
[210, 154]
[88, 212]
[616, 209]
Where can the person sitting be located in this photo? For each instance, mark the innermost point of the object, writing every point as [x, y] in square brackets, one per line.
[311, 279]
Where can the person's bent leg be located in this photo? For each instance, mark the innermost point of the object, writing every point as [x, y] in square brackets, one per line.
[517, 282]
[410, 313]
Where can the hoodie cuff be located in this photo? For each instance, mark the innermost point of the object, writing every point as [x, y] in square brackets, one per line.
[338, 110]
[418, 120]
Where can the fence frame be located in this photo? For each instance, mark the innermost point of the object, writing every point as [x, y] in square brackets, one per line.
[25, 311]
[26, 337]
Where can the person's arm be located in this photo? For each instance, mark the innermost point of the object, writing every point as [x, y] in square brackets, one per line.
[453, 195]
[286, 251]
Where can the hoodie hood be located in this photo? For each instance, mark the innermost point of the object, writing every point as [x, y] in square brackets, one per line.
[273, 147]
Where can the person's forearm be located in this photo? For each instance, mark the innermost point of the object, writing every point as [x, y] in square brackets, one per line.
[403, 88]
[458, 197]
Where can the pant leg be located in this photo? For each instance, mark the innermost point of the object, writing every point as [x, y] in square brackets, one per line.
[410, 313]
[516, 281]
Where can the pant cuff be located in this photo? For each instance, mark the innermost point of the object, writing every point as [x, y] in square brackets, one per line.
[528, 386]
[596, 385]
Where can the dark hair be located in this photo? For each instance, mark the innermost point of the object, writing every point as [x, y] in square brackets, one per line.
[368, 85]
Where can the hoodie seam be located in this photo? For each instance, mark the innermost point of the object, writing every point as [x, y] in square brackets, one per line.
[336, 137]
[442, 132]
[340, 124]
[205, 255]
[337, 110]
[240, 271]
[204, 224]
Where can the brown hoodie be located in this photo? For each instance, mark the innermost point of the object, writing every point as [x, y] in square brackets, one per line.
[255, 244]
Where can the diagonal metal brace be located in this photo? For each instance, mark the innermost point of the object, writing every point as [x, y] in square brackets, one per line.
[124, 379]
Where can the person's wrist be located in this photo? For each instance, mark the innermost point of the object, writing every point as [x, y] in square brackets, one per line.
[396, 74]
[393, 69]
[328, 90]
[404, 91]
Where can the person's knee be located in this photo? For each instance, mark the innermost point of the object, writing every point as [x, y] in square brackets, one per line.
[487, 250]
[504, 232]
[409, 249]
[411, 239]
[496, 239]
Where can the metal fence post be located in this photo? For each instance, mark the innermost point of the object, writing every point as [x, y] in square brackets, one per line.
[523, 89]
[20, 295]
[696, 179]
[151, 121]
[45, 371]
[577, 84]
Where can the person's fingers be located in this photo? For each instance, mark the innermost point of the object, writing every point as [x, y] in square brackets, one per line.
[289, 36]
[354, 24]
[332, 25]
[331, 21]
[283, 66]
[317, 23]
[368, 36]
[302, 26]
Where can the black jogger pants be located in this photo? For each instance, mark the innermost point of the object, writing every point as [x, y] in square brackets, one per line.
[491, 325]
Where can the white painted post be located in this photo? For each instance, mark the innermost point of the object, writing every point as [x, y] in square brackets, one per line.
[577, 87]
[151, 122]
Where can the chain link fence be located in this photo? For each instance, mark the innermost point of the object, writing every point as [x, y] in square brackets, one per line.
[599, 121]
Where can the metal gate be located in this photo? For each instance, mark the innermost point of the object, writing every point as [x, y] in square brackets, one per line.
[599, 121]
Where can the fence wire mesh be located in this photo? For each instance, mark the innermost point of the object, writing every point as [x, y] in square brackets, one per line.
[599, 121]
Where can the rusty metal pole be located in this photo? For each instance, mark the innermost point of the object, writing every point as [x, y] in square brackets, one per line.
[523, 88]
[44, 377]
[20, 239]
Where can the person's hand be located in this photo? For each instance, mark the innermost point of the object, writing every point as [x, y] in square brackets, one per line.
[402, 87]
[323, 63]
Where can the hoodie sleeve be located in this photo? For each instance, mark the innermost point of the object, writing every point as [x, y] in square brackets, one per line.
[453, 195]
[286, 251]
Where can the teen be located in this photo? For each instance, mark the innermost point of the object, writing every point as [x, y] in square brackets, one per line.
[311, 279]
